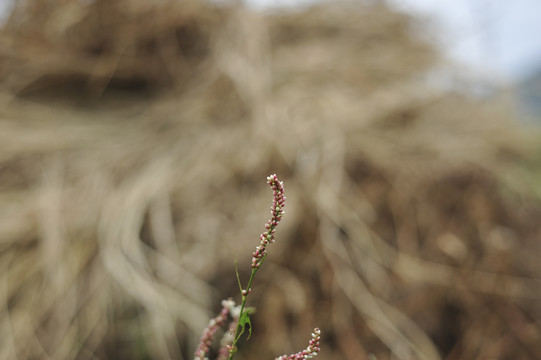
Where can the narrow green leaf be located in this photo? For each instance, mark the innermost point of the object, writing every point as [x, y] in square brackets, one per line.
[238, 277]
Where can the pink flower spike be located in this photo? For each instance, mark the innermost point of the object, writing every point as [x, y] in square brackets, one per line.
[214, 324]
[267, 237]
[311, 351]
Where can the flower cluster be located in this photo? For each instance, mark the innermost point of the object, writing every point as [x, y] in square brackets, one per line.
[309, 352]
[238, 315]
[229, 310]
[276, 215]
[228, 338]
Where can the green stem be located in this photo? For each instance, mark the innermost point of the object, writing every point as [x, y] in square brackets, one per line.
[243, 305]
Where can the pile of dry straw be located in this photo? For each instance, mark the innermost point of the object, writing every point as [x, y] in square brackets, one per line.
[135, 139]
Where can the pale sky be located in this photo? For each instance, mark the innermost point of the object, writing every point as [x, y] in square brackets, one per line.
[503, 36]
[499, 34]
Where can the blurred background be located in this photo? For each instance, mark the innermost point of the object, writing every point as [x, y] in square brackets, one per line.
[136, 137]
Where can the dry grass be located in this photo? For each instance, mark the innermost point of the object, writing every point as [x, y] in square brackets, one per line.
[134, 144]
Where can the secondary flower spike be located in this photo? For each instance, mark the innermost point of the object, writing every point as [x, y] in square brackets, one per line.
[309, 352]
[277, 211]
[228, 310]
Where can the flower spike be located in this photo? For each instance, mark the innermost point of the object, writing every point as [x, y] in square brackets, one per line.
[309, 352]
[278, 203]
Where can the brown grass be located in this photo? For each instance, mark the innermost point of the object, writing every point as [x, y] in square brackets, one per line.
[134, 144]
